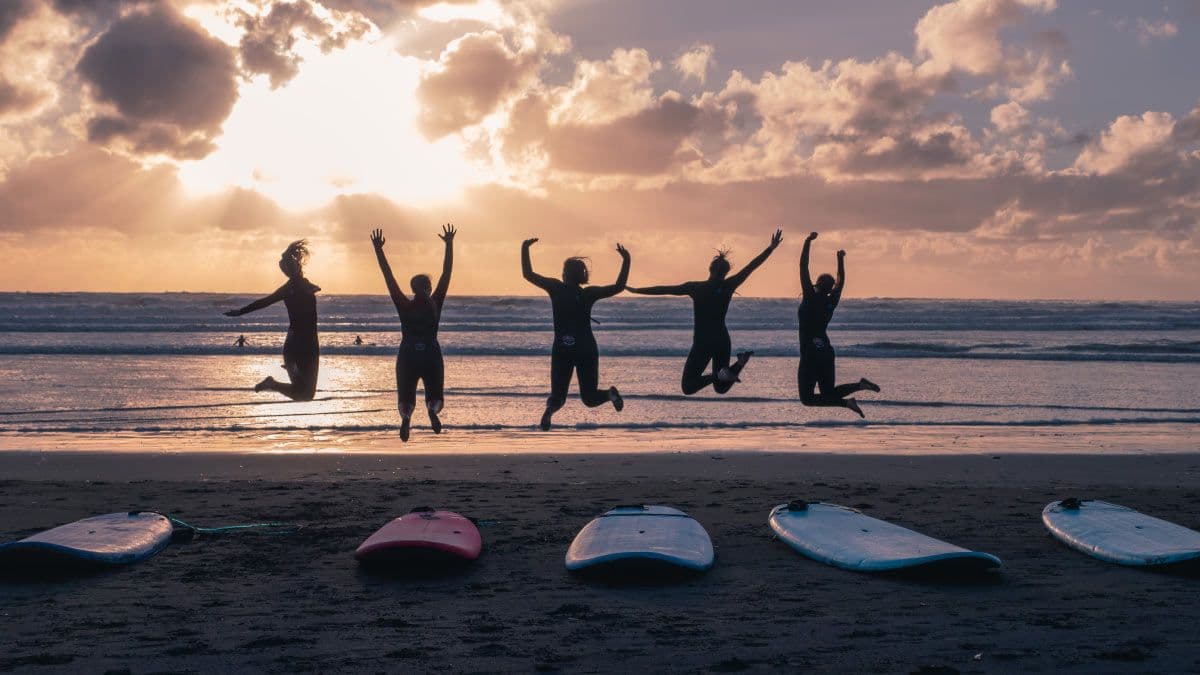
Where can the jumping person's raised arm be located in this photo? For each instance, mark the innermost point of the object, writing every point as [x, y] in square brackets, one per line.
[398, 298]
[740, 278]
[279, 294]
[622, 278]
[806, 284]
[443, 285]
[680, 289]
[544, 283]
[841, 274]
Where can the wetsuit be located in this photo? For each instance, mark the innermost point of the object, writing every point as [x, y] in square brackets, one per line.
[817, 367]
[710, 337]
[420, 355]
[574, 348]
[301, 350]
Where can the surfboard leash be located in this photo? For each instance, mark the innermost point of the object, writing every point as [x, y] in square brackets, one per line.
[184, 531]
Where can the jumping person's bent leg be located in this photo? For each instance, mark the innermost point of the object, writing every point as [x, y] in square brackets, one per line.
[724, 376]
[694, 378]
[587, 369]
[303, 375]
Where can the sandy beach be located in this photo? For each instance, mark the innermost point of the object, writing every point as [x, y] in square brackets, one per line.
[298, 602]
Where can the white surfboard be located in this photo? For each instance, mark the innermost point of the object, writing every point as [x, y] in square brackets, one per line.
[629, 535]
[846, 538]
[1120, 535]
[111, 539]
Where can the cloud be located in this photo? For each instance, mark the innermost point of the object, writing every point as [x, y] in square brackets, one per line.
[473, 76]
[1149, 31]
[965, 35]
[1010, 117]
[161, 84]
[267, 45]
[85, 188]
[12, 12]
[695, 62]
[602, 91]
[32, 45]
[1126, 139]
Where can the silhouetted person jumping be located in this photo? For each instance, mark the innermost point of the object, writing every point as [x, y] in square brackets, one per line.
[420, 356]
[575, 347]
[710, 337]
[301, 352]
[816, 370]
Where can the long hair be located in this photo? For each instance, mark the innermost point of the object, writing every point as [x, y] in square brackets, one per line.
[297, 251]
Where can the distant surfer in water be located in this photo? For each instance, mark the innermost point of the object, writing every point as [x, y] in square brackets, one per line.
[710, 337]
[575, 349]
[420, 355]
[240, 341]
[816, 370]
[301, 353]
[358, 340]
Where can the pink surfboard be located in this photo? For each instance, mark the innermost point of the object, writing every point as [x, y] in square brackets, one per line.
[420, 533]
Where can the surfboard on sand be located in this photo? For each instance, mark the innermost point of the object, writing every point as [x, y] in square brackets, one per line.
[107, 540]
[655, 538]
[846, 538]
[423, 534]
[1121, 535]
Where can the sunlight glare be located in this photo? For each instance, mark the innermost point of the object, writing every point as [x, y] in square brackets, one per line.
[344, 125]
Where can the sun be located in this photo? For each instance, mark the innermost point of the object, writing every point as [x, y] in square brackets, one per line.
[345, 125]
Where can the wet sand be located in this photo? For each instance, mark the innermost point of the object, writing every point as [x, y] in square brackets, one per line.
[298, 602]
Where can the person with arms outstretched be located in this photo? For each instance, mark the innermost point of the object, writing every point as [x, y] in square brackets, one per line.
[301, 351]
[420, 355]
[575, 349]
[710, 337]
[816, 369]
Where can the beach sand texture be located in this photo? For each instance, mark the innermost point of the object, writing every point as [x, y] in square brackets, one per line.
[298, 602]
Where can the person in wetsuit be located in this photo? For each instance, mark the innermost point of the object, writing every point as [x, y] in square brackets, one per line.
[575, 347]
[420, 355]
[240, 341]
[816, 369]
[710, 337]
[301, 352]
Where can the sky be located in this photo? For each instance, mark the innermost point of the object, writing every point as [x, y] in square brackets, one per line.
[968, 149]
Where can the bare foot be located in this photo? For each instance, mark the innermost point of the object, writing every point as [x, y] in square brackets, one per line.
[545, 424]
[731, 373]
[853, 405]
[615, 397]
[405, 428]
[869, 385]
[435, 422]
[268, 382]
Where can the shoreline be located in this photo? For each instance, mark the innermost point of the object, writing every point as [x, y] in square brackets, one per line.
[1024, 470]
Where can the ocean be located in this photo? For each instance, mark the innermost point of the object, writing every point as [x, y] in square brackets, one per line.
[95, 365]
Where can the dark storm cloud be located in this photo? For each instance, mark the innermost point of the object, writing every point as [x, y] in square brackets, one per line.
[172, 85]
